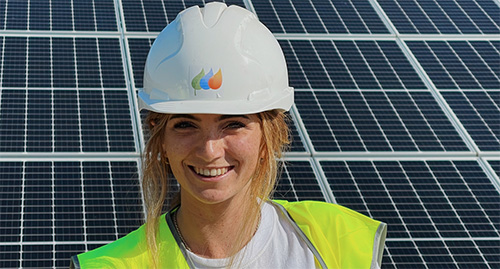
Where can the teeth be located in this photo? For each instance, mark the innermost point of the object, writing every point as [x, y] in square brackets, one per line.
[210, 172]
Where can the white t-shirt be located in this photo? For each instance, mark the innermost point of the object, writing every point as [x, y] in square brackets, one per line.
[274, 245]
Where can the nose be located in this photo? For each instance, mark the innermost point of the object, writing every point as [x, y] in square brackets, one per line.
[210, 148]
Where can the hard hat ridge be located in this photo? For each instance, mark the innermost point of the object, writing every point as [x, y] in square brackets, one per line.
[218, 60]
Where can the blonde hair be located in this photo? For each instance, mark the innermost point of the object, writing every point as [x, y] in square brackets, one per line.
[156, 171]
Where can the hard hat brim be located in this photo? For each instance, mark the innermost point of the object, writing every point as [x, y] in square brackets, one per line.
[224, 107]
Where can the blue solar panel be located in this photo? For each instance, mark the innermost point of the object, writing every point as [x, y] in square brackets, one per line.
[442, 254]
[55, 15]
[62, 62]
[349, 65]
[63, 202]
[376, 121]
[443, 17]
[459, 64]
[419, 199]
[138, 51]
[478, 113]
[319, 16]
[298, 182]
[153, 16]
[65, 121]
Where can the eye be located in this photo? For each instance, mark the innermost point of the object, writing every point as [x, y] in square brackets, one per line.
[184, 125]
[235, 125]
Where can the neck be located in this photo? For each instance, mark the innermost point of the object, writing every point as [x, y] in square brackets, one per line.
[217, 230]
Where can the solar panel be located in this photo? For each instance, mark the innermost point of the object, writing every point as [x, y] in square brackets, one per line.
[478, 112]
[297, 182]
[62, 204]
[62, 62]
[435, 200]
[376, 121]
[319, 16]
[459, 64]
[66, 121]
[443, 17]
[152, 16]
[56, 15]
[397, 116]
[441, 254]
[349, 64]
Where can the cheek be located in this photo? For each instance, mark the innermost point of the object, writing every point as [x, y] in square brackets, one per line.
[247, 149]
[173, 148]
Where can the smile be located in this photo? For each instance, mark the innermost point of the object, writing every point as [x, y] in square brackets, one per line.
[210, 172]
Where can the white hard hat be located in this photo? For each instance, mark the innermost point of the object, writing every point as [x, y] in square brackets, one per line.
[216, 60]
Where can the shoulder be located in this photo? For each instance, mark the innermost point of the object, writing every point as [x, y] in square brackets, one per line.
[339, 232]
[326, 214]
[131, 248]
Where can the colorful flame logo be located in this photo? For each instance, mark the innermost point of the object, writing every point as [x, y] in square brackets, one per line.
[207, 81]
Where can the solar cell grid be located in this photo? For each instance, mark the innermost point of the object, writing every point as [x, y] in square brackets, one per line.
[479, 114]
[56, 15]
[65, 121]
[10, 256]
[319, 16]
[443, 17]
[153, 16]
[441, 254]
[349, 65]
[458, 64]
[62, 62]
[64, 201]
[298, 182]
[138, 51]
[376, 121]
[419, 199]
[297, 145]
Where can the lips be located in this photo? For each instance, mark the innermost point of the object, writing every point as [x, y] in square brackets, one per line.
[210, 172]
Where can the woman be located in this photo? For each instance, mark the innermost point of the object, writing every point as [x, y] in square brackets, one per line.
[216, 86]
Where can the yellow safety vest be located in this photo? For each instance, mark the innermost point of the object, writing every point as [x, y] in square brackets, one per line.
[337, 236]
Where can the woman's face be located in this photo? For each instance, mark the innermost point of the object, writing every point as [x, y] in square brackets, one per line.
[213, 157]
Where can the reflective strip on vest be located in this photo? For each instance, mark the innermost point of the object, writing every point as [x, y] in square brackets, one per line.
[339, 238]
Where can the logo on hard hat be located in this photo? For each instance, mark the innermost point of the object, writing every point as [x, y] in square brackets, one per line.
[207, 81]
